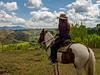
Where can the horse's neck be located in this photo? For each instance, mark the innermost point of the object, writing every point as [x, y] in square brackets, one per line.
[49, 38]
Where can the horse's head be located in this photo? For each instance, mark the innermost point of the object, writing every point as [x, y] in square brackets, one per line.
[42, 35]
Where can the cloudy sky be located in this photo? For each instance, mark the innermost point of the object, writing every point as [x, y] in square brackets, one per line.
[43, 13]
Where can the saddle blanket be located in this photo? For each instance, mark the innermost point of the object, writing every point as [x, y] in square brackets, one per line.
[64, 48]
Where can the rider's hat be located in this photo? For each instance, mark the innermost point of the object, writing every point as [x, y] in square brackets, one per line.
[62, 16]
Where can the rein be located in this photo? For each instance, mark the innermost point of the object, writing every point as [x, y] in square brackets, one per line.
[46, 42]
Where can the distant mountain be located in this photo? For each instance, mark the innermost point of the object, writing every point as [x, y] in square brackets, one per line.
[12, 28]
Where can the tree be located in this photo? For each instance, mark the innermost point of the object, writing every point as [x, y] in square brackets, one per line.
[78, 31]
[98, 29]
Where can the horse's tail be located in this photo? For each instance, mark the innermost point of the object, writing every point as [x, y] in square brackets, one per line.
[90, 66]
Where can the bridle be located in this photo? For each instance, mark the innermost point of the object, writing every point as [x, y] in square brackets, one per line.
[44, 42]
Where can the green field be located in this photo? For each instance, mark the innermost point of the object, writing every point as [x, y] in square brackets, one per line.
[35, 62]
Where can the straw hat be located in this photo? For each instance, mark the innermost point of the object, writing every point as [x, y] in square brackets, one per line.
[62, 16]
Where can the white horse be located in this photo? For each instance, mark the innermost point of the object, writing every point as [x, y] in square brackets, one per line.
[79, 55]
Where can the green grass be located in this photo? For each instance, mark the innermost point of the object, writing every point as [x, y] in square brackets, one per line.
[35, 62]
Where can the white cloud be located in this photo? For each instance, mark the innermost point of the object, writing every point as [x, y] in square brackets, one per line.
[83, 11]
[44, 9]
[34, 3]
[11, 6]
[39, 24]
[98, 1]
[19, 21]
[13, 13]
[84, 7]
[62, 9]
[10, 19]
[42, 15]
[43, 18]
[4, 15]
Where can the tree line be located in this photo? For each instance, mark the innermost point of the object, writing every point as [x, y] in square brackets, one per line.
[25, 39]
[87, 36]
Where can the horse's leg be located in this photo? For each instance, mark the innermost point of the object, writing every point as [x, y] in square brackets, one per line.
[57, 68]
[79, 71]
[54, 69]
[78, 66]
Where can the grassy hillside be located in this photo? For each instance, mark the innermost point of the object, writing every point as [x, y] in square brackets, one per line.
[22, 55]
[35, 62]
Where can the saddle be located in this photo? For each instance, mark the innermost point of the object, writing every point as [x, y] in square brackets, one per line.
[67, 54]
[65, 46]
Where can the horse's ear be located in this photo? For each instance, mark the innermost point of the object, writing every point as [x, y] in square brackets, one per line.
[41, 38]
[42, 30]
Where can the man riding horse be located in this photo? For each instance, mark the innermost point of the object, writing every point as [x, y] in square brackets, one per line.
[78, 54]
[64, 29]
